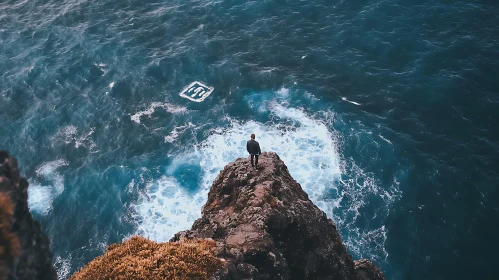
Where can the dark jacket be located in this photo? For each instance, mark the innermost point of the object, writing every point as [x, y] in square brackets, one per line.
[253, 147]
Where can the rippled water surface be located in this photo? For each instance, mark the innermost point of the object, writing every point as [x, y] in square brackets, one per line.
[384, 111]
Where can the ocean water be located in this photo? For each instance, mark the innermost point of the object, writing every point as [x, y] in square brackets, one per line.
[386, 112]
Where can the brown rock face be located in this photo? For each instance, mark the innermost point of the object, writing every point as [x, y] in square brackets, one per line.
[24, 248]
[259, 224]
[265, 227]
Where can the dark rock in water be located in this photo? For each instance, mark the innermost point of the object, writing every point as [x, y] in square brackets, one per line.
[24, 248]
[266, 227]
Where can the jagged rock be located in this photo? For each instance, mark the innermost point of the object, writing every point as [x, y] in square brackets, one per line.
[368, 271]
[24, 248]
[266, 227]
[256, 224]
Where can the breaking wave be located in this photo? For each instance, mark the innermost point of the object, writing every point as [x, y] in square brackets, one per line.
[308, 146]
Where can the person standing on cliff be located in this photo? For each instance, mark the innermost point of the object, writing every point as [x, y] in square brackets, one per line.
[253, 149]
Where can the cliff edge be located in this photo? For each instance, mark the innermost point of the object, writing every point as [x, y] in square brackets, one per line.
[24, 248]
[256, 224]
[265, 227]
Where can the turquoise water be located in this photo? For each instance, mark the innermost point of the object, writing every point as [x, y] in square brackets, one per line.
[384, 111]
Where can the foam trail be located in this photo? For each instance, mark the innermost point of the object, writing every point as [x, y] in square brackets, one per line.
[388, 141]
[353, 102]
[178, 130]
[167, 106]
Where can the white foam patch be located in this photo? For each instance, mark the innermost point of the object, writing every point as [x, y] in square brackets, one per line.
[177, 131]
[69, 134]
[40, 197]
[372, 241]
[358, 188]
[85, 141]
[310, 96]
[353, 102]
[164, 208]
[102, 66]
[63, 267]
[48, 169]
[111, 85]
[284, 92]
[66, 134]
[173, 109]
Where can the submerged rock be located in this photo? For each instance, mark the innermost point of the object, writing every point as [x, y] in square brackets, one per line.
[266, 227]
[24, 248]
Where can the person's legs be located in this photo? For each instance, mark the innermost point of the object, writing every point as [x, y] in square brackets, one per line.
[252, 160]
[256, 160]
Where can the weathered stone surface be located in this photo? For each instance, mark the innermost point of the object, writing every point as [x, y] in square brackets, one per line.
[368, 271]
[24, 248]
[265, 227]
[259, 224]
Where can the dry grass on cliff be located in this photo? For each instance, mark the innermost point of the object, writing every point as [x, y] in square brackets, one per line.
[140, 258]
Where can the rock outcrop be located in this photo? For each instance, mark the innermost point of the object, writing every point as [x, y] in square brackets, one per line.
[367, 270]
[24, 248]
[266, 227]
[256, 224]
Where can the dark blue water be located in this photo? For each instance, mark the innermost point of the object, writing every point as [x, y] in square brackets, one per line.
[385, 111]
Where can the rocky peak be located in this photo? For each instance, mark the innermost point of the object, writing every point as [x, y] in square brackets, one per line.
[256, 224]
[266, 227]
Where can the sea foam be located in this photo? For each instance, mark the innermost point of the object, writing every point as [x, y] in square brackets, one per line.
[152, 108]
[306, 143]
[40, 197]
[308, 148]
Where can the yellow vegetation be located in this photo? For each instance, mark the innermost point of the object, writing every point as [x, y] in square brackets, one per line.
[140, 258]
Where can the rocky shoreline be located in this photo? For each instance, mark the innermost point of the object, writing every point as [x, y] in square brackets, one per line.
[256, 224]
[24, 247]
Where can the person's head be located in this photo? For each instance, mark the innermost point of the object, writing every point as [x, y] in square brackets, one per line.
[253, 136]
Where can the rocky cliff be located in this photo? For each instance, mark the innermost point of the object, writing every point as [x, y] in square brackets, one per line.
[256, 224]
[266, 227]
[24, 248]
